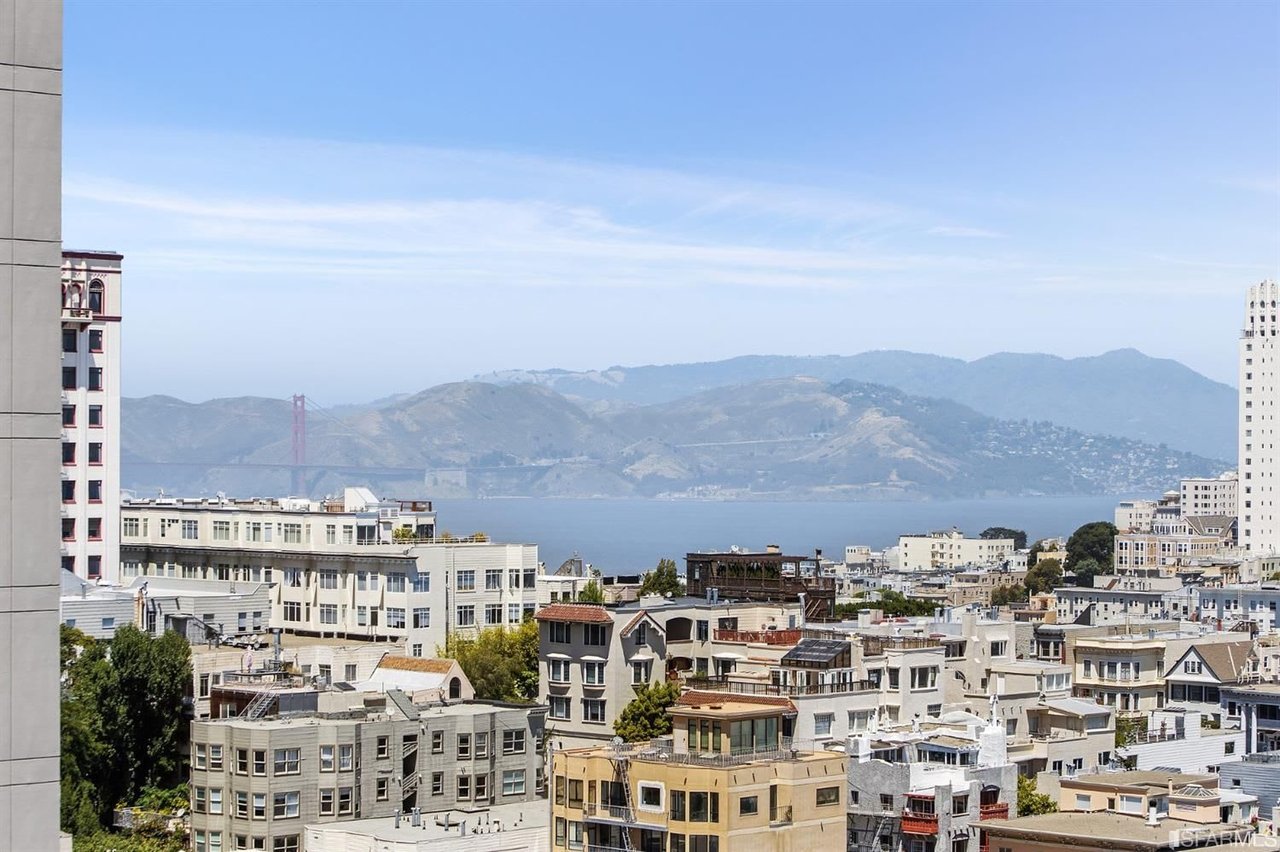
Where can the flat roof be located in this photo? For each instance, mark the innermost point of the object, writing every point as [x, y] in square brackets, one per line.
[1093, 826]
[445, 826]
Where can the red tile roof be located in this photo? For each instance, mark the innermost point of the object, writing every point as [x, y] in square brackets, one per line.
[581, 613]
[702, 697]
[635, 622]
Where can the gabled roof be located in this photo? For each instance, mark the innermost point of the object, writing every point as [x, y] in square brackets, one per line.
[642, 615]
[1225, 660]
[575, 612]
[697, 697]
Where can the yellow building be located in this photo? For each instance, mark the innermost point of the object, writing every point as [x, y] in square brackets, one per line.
[725, 780]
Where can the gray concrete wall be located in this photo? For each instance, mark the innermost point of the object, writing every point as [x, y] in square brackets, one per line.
[30, 297]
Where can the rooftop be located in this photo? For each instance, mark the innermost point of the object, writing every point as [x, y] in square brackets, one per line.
[574, 612]
[1116, 830]
[445, 827]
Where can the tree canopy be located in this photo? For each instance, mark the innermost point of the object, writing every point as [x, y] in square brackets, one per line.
[1044, 576]
[124, 724]
[1019, 536]
[662, 580]
[645, 716]
[1086, 570]
[893, 604]
[1095, 540]
[591, 593]
[1031, 803]
[1001, 595]
[500, 662]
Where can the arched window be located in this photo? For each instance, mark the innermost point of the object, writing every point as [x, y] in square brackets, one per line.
[455, 688]
[96, 296]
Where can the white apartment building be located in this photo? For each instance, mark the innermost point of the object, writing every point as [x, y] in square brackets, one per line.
[1135, 515]
[355, 568]
[950, 549]
[1259, 391]
[1210, 495]
[1232, 604]
[1173, 542]
[91, 414]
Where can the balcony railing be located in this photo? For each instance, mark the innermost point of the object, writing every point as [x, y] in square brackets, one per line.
[998, 810]
[760, 637]
[613, 813]
[918, 823]
[663, 749]
[746, 687]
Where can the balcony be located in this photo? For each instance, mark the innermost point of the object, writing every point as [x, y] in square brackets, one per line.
[919, 823]
[80, 315]
[759, 637]
[608, 813]
[747, 687]
[998, 810]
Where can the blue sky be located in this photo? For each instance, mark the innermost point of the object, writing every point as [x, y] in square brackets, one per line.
[352, 200]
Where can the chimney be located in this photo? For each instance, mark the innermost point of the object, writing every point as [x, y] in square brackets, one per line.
[415, 817]
[397, 817]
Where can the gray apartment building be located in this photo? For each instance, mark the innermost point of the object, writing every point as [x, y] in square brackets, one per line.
[336, 755]
[30, 418]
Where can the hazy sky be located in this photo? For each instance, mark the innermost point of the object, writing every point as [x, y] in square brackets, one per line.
[350, 200]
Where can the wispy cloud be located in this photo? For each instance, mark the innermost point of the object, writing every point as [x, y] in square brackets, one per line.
[961, 231]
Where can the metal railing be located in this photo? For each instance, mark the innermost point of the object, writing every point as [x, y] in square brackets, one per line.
[620, 813]
[663, 750]
[744, 687]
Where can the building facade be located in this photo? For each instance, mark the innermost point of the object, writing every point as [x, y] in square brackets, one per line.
[256, 783]
[949, 549]
[30, 246]
[91, 309]
[358, 568]
[1259, 392]
[1211, 495]
[726, 780]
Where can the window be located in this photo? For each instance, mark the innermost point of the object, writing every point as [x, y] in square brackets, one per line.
[924, 677]
[422, 582]
[191, 530]
[68, 415]
[1192, 667]
[822, 724]
[466, 581]
[704, 807]
[215, 800]
[349, 672]
[328, 579]
[345, 759]
[259, 805]
[640, 671]
[395, 582]
[287, 843]
[95, 416]
[327, 800]
[513, 613]
[493, 613]
[464, 786]
[594, 634]
[328, 613]
[558, 630]
[466, 616]
[287, 761]
[95, 453]
[68, 452]
[593, 710]
[513, 742]
[68, 378]
[464, 746]
[704, 631]
[326, 758]
[513, 782]
[215, 758]
[748, 806]
[493, 579]
[437, 783]
[642, 634]
[959, 804]
[593, 674]
[68, 491]
[828, 796]
[650, 796]
[345, 800]
[95, 529]
[482, 744]
[886, 801]
[559, 707]
[198, 796]
[382, 789]
[95, 378]
[199, 758]
[95, 490]
[70, 340]
[677, 805]
[560, 831]
[395, 617]
[285, 805]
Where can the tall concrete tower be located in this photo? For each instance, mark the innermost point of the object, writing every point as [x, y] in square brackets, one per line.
[30, 260]
[1259, 392]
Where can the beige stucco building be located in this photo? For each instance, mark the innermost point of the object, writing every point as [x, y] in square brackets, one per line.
[725, 780]
[950, 549]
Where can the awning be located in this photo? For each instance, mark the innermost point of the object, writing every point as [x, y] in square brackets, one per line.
[558, 656]
[639, 658]
[590, 659]
[727, 655]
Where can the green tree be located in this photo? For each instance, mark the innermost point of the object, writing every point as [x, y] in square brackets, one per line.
[500, 662]
[591, 593]
[1030, 802]
[893, 604]
[1094, 540]
[645, 716]
[104, 842]
[1001, 595]
[1086, 570]
[1044, 576]
[153, 678]
[1019, 536]
[662, 580]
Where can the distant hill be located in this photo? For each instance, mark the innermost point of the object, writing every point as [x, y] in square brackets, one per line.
[780, 438]
[1123, 393]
